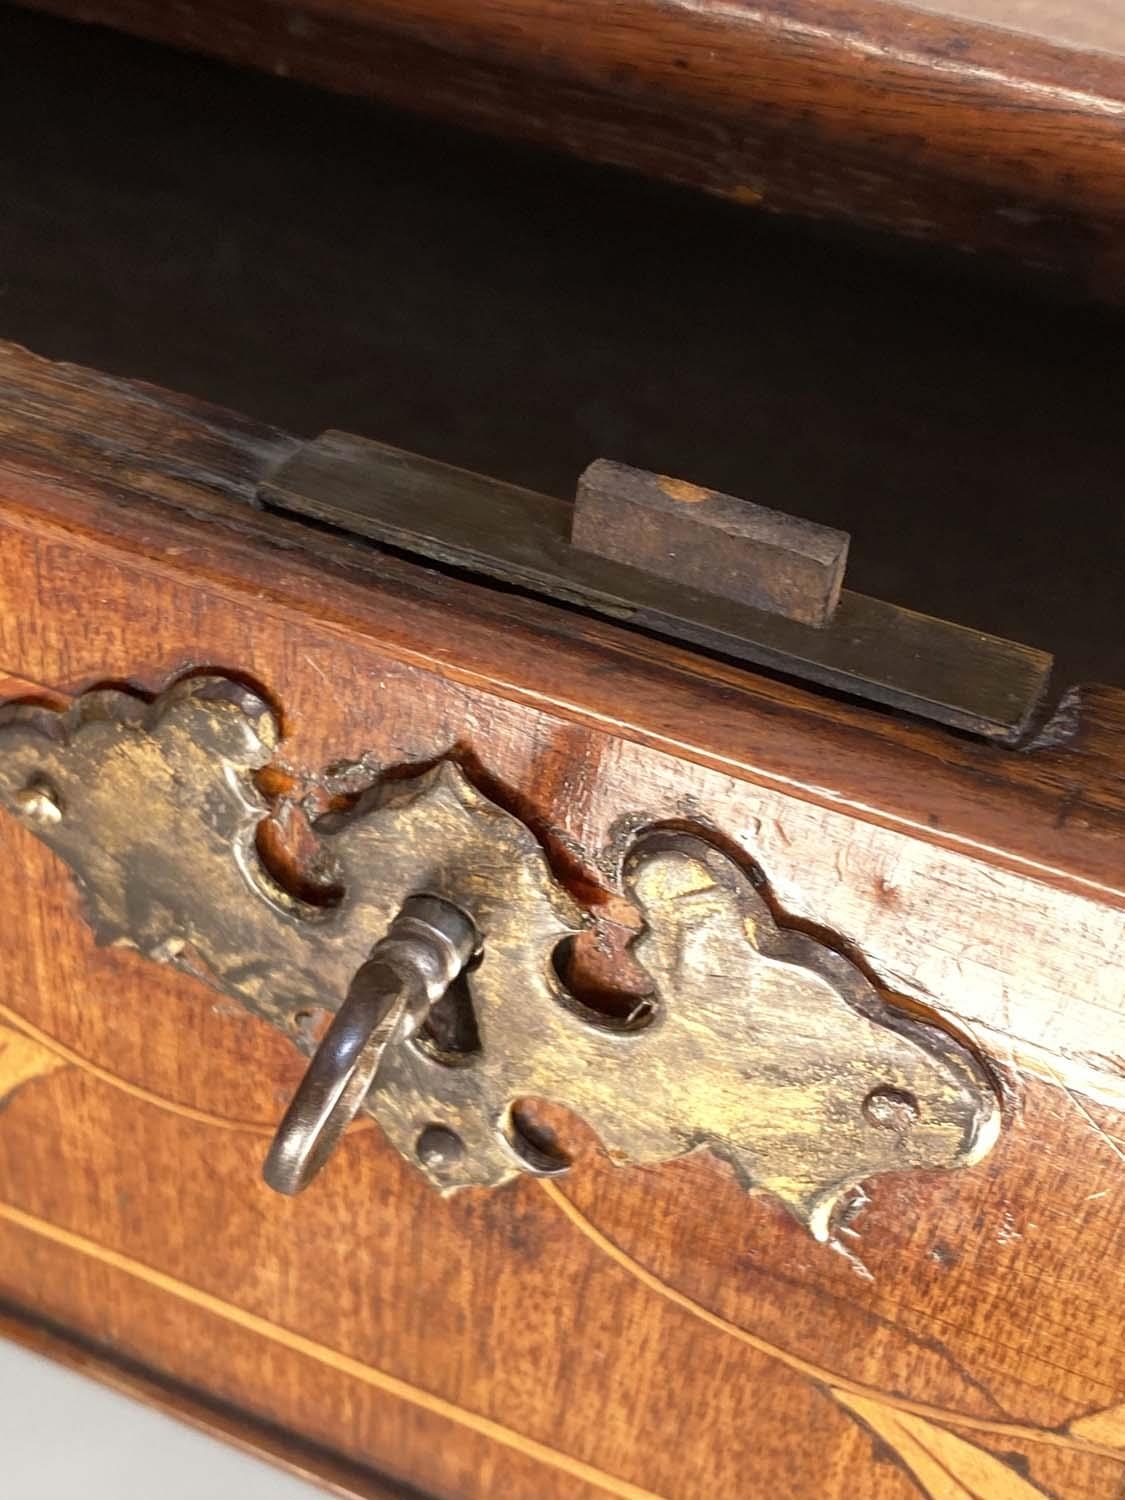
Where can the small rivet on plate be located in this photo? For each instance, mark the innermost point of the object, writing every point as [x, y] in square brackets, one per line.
[39, 803]
[439, 1148]
[891, 1109]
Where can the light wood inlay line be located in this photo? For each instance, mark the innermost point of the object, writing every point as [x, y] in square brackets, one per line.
[333, 1359]
[831, 1381]
[84, 1064]
[67, 1054]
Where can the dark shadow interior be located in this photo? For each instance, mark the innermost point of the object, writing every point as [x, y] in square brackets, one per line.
[317, 261]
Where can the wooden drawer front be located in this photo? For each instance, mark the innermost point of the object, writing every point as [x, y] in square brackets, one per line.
[629, 1332]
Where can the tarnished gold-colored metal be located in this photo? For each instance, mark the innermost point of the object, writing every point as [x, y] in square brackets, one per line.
[763, 1045]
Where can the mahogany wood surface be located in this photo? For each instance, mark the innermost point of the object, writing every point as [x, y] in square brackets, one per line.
[633, 1333]
[995, 127]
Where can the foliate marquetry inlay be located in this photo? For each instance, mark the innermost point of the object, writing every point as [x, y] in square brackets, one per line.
[22, 1059]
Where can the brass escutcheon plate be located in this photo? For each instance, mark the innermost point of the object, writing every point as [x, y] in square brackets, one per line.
[763, 1046]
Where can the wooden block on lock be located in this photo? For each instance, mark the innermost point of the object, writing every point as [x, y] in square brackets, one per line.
[710, 541]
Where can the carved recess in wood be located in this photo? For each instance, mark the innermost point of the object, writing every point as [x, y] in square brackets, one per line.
[763, 1046]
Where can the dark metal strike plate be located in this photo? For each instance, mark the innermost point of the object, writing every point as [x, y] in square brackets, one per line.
[870, 650]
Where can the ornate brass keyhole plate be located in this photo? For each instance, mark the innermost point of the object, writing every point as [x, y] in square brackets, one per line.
[764, 1046]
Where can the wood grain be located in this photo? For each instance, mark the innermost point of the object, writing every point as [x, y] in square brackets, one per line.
[997, 131]
[629, 1333]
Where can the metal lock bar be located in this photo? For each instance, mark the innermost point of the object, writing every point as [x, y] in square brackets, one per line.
[775, 599]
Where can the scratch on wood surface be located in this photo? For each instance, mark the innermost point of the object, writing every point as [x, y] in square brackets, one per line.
[320, 672]
[851, 1256]
[1100, 1134]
